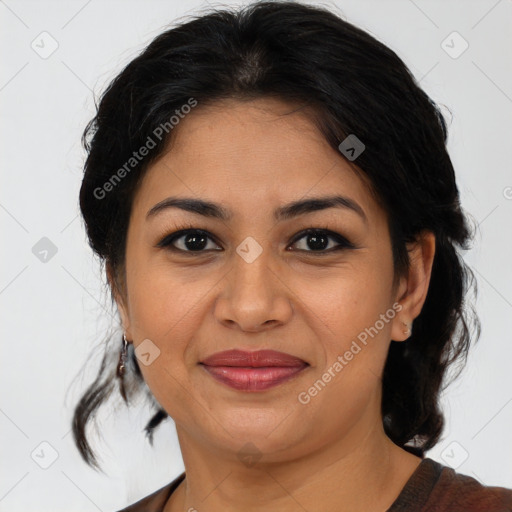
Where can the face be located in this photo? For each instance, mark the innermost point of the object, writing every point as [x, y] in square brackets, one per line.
[255, 281]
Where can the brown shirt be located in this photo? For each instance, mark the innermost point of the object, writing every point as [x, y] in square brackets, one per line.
[431, 488]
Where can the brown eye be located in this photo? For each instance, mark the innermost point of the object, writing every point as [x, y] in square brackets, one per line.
[318, 240]
[193, 240]
[188, 240]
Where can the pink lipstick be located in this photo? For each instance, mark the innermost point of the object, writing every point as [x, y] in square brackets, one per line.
[253, 371]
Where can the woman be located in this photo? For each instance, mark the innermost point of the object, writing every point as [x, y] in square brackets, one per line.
[272, 197]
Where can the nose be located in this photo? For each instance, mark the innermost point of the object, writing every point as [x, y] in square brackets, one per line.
[254, 296]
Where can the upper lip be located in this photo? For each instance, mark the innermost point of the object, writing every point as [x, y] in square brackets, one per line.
[258, 358]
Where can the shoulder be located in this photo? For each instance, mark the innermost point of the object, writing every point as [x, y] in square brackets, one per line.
[155, 501]
[459, 492]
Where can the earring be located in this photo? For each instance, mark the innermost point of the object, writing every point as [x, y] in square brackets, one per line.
[121, 368]
[407, 331]
[121, 365]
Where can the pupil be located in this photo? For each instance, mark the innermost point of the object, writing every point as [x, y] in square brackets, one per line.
[195, 242]
[315, 243]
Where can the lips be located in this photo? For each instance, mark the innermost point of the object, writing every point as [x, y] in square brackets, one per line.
[253, 359]
[253, 371]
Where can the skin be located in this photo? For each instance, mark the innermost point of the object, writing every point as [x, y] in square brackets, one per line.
[332, 453]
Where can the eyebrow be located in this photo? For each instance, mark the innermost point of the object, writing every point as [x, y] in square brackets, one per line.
[294, 209]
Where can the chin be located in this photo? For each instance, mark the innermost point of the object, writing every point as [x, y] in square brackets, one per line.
[263, 441]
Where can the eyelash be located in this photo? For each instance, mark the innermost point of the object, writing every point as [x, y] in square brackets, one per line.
[169, 239]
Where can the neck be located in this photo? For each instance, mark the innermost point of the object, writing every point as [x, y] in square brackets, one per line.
[365, 471]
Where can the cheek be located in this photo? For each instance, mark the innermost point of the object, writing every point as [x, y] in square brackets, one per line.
[163, 303]
[346, 304]
[354, 319]
[166, 311]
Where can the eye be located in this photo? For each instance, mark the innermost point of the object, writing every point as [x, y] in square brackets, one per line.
[318, 240]
[194, 240]
[188, 240]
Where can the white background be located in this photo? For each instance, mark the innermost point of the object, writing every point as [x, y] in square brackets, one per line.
[54, 313]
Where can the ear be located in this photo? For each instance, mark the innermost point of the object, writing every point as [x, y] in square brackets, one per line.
[413, 288]
[120, 301]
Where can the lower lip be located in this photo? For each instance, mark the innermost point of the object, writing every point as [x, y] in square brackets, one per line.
[253, 379]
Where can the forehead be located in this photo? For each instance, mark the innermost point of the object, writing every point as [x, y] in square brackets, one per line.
[250, 154]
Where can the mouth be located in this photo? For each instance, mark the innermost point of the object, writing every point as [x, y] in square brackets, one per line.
[253, 371]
